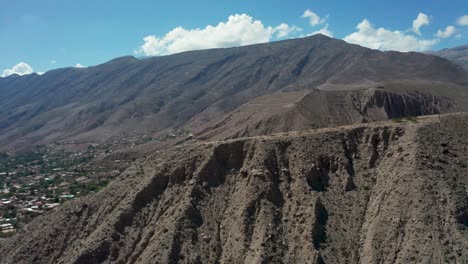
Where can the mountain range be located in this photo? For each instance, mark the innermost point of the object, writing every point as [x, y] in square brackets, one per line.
[194, 90]
[457, 54]
[308, 150]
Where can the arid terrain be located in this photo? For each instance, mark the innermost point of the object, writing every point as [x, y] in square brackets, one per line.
[233, 132]
[128, 96]
[308, 150]
[457, 54]
[385, 192]
[296, 111]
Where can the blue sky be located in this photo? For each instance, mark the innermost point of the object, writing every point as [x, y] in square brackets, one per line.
[50, 34]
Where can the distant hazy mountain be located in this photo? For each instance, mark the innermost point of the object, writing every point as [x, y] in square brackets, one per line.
[458, 54]
[195, 88]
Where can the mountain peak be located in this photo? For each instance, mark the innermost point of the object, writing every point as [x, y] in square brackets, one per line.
[127, 94]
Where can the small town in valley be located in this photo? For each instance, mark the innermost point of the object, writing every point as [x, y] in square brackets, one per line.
[35, 182]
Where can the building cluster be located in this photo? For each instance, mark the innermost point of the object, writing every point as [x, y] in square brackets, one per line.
[33, 183]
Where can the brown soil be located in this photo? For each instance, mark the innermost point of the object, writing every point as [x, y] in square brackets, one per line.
[374, 193]
[296, 111]
[127, 95]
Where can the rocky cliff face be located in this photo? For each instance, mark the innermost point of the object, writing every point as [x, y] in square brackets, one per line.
[380, 105]
[373, 193]
[301, 110]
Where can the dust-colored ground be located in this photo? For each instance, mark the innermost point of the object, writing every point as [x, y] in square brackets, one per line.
[342, 105]
[126, 95]
[374, 193]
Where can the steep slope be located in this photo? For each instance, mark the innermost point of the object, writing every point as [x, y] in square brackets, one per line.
[153, 94]
[373, 193]
[458, 55]
[296, 111]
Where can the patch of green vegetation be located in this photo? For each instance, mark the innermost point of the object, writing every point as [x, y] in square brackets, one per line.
[411, 119]
[82, 189]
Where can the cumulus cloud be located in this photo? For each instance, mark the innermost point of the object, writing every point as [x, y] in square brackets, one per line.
[238, 30]
[78, 65]
[21, 68]
[384, 39]
[314, 19]
[447, 32]
[325, 31]
[284, 30]
[463, 20]
[421, 20]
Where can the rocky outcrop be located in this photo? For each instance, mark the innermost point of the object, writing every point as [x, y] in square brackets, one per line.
[302, 110]
[396, 105]
[373, 193]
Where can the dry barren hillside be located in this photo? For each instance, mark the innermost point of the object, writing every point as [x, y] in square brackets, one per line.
[148, 96]
[390, 192]
[296, 111]
[457, 54]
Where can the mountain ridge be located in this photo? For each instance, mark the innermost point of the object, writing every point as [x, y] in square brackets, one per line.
[301, 110]
[457, 54]
[366, 193]
[155, 94]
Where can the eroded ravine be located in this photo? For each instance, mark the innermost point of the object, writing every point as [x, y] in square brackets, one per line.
[362, 194]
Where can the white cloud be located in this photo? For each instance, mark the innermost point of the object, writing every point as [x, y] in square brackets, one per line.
[463, 20]
[448, 32]
[21, 68]
[384, 39]
[421, 20]
[78, 65]
[53, 62]
[284, 30]
[238, 30]
[325, 31]
[314, 19]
